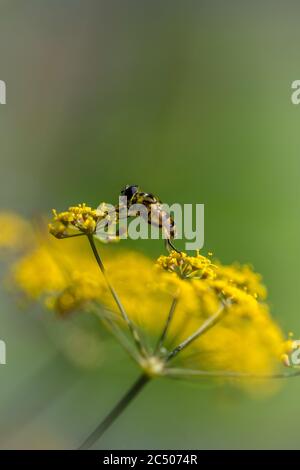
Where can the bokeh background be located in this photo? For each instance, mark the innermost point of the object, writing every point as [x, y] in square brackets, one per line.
[191, 100]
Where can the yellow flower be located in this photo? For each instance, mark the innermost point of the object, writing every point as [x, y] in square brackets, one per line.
[187, 267]
[181, 317]
[245, 340]
[65, 278]
[83, 289]
[76, 219]
[16, 233]
[243, 277]
[37, 273]
[235, 283]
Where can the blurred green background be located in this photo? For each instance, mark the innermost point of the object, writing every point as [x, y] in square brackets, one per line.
[191, 100]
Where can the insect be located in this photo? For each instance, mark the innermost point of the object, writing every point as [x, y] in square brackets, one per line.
[156, 215]
[108, 228]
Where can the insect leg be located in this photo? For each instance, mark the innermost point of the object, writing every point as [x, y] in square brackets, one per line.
[169, 246]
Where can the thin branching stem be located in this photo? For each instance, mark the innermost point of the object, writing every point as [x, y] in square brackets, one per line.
[116, 411]
[209, 323]
[166, 326]
[112, 325]
[125, 317]
[179, 373]
[72, 236]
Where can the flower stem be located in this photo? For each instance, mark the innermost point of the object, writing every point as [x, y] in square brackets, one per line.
[209, 323]
[184, 373]
[129, 323]
[166, 326]
[115, 412]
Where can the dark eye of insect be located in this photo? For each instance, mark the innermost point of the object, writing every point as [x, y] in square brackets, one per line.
[129, 191]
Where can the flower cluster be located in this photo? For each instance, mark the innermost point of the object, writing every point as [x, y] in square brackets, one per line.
[65, 278]
[16, 232]
[244, 339]
[235, 283]
[77, 219]
[184, 315]
[188, 267]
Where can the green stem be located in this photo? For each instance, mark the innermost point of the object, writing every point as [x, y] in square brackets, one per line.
[188, 373]
[209, 323]
[115, 412]
[166, 327]
[129, 323]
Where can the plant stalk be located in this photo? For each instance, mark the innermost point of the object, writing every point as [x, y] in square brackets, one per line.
[115, 412]
[209, 323]
[125, 317]
[167, 325]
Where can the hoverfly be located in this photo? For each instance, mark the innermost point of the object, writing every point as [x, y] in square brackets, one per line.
[156, 215]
